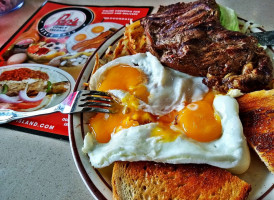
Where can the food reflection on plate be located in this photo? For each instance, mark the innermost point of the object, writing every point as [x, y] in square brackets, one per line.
[29, 87]
[71, 62]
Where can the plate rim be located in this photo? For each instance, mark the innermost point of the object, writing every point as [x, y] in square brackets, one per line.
[78, 156]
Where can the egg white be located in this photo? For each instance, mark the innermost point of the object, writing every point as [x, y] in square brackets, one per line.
[168, 90]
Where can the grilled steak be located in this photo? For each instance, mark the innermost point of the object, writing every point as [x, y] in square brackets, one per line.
[190, 38]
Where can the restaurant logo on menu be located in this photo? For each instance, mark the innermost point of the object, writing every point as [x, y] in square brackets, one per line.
[64, 22]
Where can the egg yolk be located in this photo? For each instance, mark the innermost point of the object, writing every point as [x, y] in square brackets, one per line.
[132, 80]
[199, 121]
[127, 78]
[97, 29]
[102, 125]
[80, 37]
[165, 133]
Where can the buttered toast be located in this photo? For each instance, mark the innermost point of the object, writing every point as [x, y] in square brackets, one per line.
[149, 180]
[257, 116]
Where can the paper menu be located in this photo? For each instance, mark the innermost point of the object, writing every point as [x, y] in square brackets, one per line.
[61, 36]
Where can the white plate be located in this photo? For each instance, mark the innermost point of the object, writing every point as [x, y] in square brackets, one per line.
[89, 34]
[55, 75]
[98, 181]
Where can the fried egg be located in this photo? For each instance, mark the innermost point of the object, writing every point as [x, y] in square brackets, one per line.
[165, 116]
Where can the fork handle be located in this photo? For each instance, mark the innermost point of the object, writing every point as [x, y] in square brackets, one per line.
[7, 115]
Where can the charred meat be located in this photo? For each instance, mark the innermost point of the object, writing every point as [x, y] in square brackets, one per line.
[190, 38]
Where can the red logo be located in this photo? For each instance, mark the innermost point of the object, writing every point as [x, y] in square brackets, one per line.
[64, 21]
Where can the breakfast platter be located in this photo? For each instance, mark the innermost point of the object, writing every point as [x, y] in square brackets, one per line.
[98, 181]
[86, 34]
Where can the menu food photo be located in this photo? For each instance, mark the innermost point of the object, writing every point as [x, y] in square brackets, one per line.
[178, 100]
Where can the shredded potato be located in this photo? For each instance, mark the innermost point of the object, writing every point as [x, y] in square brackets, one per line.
[133, 41]
[96, 64]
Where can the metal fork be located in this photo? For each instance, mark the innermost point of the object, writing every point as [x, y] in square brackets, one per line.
[80, 101]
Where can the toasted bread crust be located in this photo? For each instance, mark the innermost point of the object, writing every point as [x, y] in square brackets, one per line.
[257, 116]
[149, 180]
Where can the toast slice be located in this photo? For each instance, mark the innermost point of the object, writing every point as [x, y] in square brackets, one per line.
[257, 116]
[149, 180]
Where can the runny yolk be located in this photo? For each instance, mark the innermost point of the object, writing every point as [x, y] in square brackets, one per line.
[127, 78]
[165, 133]
[199, 121]
[102, 125]
[132, 80]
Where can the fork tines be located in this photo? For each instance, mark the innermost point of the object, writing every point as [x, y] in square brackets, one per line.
[96, 101]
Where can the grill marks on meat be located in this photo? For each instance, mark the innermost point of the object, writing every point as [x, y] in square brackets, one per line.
[189, 37]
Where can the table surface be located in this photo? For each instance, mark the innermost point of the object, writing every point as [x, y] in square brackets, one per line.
[38, 167]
